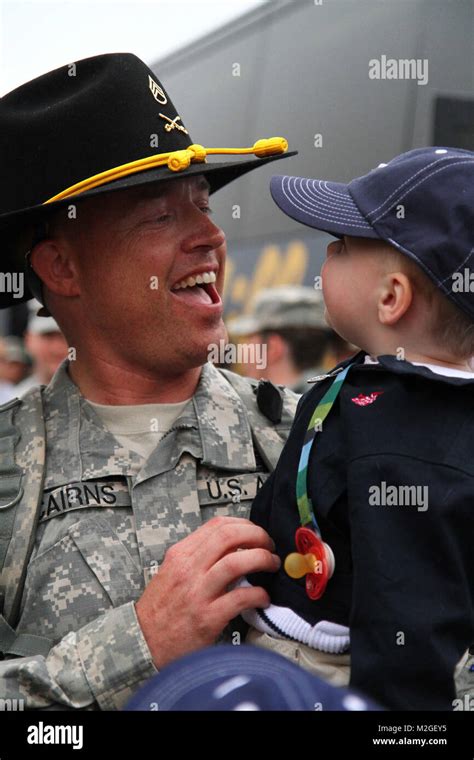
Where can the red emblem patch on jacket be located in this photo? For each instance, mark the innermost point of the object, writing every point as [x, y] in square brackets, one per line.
[363, 400]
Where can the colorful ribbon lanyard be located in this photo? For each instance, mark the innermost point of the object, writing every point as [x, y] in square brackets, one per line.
[305, 507]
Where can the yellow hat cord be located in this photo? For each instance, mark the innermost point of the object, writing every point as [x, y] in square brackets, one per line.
[176, 161]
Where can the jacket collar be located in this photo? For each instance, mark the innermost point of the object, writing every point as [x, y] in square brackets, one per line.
[401, 367]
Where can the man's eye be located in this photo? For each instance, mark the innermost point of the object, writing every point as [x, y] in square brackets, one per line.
[207, 210]
[163, 217]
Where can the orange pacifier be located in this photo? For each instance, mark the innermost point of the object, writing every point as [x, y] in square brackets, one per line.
[314, 558]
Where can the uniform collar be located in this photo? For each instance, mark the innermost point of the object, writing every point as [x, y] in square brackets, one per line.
[223, 421]
[213, 429]
[78, 444]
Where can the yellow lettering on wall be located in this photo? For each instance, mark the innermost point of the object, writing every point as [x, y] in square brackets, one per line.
[273, 267]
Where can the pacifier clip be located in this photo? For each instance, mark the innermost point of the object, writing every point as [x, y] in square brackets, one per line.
[314, 558]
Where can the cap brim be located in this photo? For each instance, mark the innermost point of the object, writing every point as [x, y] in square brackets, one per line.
[325, 206]
[230, 678]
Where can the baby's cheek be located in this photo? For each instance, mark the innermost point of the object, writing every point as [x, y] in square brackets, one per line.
[333, 290]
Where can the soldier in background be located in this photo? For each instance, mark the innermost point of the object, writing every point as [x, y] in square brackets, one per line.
[287, 324]
[7, 389]
[15, 362]
[46, 346]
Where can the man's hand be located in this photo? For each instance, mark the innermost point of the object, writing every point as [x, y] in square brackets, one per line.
[187, 604]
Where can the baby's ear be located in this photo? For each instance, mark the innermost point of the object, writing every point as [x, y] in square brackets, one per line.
[395, 298]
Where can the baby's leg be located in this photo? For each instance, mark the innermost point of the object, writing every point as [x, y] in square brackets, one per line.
[333, 668]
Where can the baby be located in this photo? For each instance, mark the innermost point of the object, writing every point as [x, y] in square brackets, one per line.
[371, 505]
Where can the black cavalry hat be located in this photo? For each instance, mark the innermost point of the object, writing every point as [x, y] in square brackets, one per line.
[98, 125]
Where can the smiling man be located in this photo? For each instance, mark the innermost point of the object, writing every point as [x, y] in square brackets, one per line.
[126, 483]
[124, 277]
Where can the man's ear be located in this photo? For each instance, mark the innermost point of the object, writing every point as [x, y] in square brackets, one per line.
[53, 262]
[395, 298]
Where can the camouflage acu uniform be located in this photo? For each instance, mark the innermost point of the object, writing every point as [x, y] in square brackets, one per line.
[106, 520]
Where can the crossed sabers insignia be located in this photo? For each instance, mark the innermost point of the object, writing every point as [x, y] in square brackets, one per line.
[173, 124]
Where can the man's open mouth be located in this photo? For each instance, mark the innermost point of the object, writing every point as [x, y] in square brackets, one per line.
[198, 289]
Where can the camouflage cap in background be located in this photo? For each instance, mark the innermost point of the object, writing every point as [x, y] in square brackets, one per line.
[280, 308]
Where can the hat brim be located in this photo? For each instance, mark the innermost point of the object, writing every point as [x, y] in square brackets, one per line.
[322, 205]
[217, 174]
